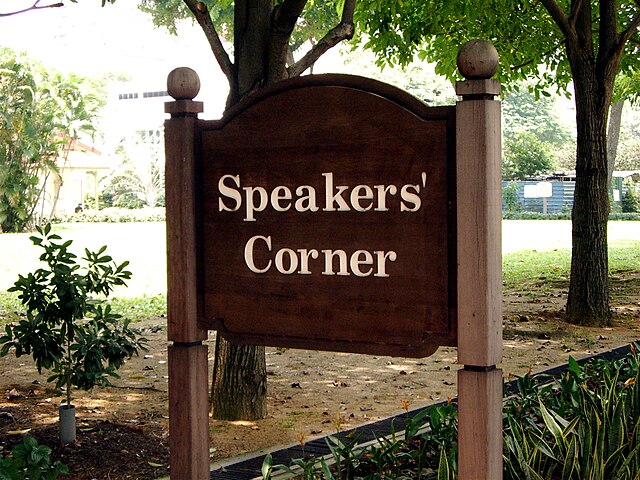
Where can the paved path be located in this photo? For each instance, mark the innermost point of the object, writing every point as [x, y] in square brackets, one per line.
[552, 234]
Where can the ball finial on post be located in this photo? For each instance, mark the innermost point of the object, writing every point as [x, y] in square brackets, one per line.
[183, 83]
[478, 60]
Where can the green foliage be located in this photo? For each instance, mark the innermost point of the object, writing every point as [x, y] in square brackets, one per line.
[429, 441]
[511, 198]
[524, 111]
[317, 18]
[563, 215]
[139, 179]
[68, 328]
[628, 155]
[114, 215]
[41, 112]
[584, 425]
[631, 200]
[30, 461]
[526, 156]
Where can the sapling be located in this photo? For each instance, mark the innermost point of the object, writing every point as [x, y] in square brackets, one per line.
[69, 328]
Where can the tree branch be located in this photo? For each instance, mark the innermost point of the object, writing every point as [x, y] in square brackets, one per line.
[575, 12]
[201, 13]
[343, 31]
[36, 6]
[628, 33]
[283, 21]
[558, 15]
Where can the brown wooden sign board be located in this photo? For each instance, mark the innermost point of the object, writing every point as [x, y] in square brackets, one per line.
[326, 219]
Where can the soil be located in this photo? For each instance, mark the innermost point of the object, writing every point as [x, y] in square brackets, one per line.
[123, 429]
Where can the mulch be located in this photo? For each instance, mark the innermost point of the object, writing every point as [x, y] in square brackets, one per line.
[104, 450]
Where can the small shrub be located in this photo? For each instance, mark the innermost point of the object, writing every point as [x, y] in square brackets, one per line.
[30, 461]
[631, 200]
[69, 328]
[510, 197]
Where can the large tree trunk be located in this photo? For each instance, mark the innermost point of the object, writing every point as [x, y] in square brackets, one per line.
[239, 389]
[261, 50]
[588, 300]
[239, 378]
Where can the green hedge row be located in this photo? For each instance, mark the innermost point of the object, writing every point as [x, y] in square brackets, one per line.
[561, 216]
[123, 215]
[114, 215]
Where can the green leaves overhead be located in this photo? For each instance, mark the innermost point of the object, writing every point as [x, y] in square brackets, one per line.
[522, 31]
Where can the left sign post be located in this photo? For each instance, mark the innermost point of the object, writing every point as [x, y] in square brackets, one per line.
[188, 369]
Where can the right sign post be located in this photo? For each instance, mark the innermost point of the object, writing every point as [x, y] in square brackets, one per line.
[479, 214]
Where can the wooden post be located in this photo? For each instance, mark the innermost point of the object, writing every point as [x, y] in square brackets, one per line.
[479, 264]
[188, 399]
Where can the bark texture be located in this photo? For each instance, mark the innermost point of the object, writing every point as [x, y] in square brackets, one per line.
[594, 68]
[588, 300]
[239, 387]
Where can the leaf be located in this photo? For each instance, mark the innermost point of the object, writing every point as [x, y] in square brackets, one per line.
[18, 432]
[552, 425]
[155, 465]
[574, 367]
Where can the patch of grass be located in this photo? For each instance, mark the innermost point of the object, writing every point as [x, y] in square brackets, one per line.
[140, 308]
[285, 424]
[531, 267]
[9, 306]
[134, 308]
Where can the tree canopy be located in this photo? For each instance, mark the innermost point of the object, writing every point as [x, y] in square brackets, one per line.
[41, 113]
[530, 35]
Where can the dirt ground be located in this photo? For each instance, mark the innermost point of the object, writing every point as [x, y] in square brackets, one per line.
[123, 429]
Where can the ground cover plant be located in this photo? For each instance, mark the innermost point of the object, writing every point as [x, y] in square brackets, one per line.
[584, 425]
[30, 461]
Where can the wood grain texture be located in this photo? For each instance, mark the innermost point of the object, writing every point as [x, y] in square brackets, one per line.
[182, 299]
[188, 412]
[479, 201]
[294, 137]
[480, 425]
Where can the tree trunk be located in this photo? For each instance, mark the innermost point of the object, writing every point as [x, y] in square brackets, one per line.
[613, 136]
[239, 378]
[588, 300]
[239, 389]
[261, 50]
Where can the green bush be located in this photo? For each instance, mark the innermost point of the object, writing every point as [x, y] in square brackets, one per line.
[506, 215]
[30, 461]
[631, 200]
[510, 197]
[564, 215]
[69, 328]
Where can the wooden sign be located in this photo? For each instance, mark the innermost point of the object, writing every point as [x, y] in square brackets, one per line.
[326, 219]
